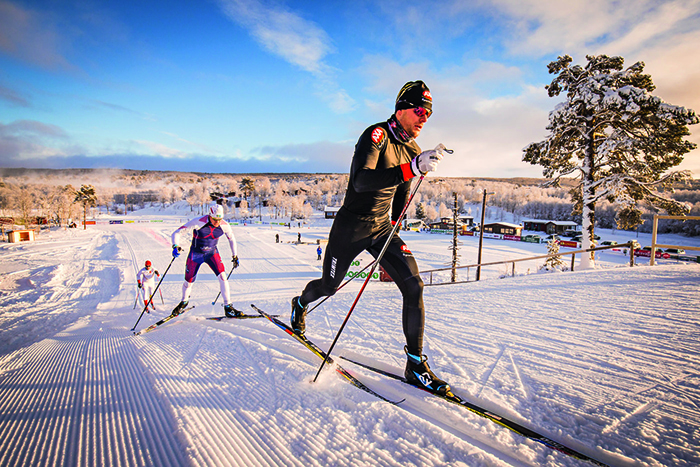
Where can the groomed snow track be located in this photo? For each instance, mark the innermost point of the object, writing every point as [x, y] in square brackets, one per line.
[91, 406]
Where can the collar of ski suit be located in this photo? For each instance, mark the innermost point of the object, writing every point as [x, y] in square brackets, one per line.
[397, 130]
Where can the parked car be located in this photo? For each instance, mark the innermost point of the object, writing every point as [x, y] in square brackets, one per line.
[571, 233]
[608, 243]
[675, 251]
[549, 238]
[578, 238]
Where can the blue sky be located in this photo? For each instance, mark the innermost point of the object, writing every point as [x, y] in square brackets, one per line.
[273, 86]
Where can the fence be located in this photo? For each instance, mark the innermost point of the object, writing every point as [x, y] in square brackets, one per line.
[573, 254]
[655, 245]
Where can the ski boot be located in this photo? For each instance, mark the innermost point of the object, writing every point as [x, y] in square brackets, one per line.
[231, 312]
[419, 374]
[145, 305]
[179, 308]
[298, 318]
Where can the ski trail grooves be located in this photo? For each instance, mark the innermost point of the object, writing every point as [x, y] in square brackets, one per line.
[89, 406]
[216, 418]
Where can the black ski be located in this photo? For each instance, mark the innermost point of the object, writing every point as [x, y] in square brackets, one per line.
[243, 316]
[162, 321]
[322, 355]
[511, 425]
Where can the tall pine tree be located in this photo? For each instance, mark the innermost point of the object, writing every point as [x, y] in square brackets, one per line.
[87, 197]
[616, 138]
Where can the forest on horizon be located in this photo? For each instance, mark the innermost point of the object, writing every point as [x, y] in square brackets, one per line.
[44, 193]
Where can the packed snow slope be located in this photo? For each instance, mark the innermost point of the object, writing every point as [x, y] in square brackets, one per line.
[605, 361]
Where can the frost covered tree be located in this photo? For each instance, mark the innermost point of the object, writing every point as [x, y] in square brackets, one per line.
[62, 203]
[553, 263]
[420, 211]
[615, 138]
[247, 186]
[25, 204]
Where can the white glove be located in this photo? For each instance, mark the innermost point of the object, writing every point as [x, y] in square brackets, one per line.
[427, 161]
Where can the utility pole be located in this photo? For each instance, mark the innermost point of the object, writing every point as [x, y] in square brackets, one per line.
[455, 245]
[481, 235]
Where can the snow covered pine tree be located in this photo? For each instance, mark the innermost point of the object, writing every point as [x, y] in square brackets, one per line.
[88, 198]
[615, 137]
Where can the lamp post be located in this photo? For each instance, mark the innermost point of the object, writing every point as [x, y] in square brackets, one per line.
[455, 242]
[481, 235]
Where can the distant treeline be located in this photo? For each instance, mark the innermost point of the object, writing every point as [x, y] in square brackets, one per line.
[37, 193]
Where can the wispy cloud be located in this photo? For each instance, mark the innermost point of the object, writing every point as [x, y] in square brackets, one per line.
[282, 32]
[322, 156]
[113, 107]
[296, 40]
[540, 27]
[30, 37]
[13, 97]
[199, 147]
[162, 150]
[29, 139]
[32, 127]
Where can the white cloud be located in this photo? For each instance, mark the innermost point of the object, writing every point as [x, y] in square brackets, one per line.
[294, 39]
[657, 24]
[162, 149]
[663, 34]
[23, 139]
[282, 32]
[487, 134]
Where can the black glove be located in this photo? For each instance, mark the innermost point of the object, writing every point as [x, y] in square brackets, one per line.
[139, 285]
[157, 274]
[235, 262]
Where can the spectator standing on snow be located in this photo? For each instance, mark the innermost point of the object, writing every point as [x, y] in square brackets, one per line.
[318, 252]
[386, 159]
[207, 231]
[146, 280]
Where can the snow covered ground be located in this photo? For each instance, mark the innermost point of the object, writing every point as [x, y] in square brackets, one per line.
[606, 361]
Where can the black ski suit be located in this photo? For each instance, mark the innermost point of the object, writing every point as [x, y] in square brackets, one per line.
[379, 181]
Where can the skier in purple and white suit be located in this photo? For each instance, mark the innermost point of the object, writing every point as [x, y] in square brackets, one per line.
[207, 231]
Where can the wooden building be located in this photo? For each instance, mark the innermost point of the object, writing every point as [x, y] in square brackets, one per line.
[503, 228]
[550, 227]
[330, 211]
[16, 236]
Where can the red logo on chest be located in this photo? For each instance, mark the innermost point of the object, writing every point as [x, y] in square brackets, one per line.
[405, 250]
[377, 135]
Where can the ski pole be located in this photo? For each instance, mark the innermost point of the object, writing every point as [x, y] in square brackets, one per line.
[137, 299]
[369, 276]
[229, 275]
[161, 297]
[344, 284]
[151, 298]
